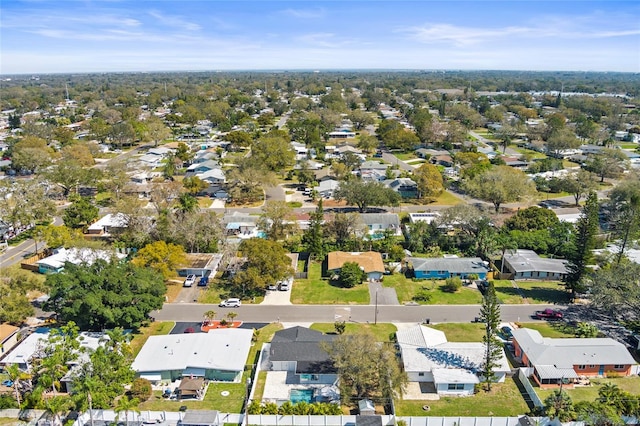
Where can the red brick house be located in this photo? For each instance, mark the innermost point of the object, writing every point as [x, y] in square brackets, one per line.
[555, 361]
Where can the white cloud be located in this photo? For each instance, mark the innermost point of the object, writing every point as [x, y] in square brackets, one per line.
[460, 36]
[305, 13]
[174, 21]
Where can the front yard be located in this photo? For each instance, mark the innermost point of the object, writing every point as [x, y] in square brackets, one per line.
[406, 289]
[383, 332]
[317, 290]
[535, 292]
[504, 400]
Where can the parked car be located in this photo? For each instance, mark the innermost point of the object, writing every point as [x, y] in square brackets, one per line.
[189, 281]
[506, 332]
[204, 280]
[230, 303]
[7, 383]
[548, 314]
[284, 286]
[189, 330]
[273, 286]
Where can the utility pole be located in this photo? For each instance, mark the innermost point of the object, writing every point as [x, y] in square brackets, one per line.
[375, 314]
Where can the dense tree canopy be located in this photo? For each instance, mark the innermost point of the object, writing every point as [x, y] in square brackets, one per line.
[364, 194]
[105, 294]
[502, 184]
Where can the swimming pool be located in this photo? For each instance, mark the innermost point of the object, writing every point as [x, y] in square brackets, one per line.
[297, 395]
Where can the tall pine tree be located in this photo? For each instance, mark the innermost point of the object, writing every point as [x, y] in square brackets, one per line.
[490, 315]
[313, 237]
[584, 241]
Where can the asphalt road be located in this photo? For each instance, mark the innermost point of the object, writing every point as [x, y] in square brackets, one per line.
[184, 312]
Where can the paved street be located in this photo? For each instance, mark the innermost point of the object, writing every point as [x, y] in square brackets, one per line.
[359, 313]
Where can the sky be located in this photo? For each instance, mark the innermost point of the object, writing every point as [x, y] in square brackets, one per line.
[46, 36]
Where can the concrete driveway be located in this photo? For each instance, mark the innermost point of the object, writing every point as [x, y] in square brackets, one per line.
[382, 295]
[277, 297]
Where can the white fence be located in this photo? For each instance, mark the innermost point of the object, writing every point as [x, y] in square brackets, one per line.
[524, 379]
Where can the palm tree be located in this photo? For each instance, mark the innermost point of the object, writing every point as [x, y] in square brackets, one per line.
[126, 404]
[16, 375]
[210, 316]
[56, 406]
[231, 316]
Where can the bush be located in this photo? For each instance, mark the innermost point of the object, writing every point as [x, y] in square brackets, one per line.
[7, 401]
[422, 295]
[141, 389]
[351, 274]
[340, 326]
[451, 285]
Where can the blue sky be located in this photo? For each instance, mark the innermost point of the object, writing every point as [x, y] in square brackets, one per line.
[41, 36]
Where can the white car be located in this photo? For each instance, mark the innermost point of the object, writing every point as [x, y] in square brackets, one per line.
[191, 279]
[230, 303]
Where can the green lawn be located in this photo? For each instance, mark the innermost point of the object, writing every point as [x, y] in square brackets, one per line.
[503, 400]
[590, 393]
[154, 329]
[535, 155]
[536, 292]
[382, 332]
[461, 332]
[552, 329]
[447, 199]
[316, 290]
[406, 288]
[403, 156]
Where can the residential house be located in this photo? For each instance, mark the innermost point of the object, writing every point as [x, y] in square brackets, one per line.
[301, 150]
[56, 262]
[370, 262]
[407, 188]
[526, 264]
[454, 368]
[198, 168]
[342, 134]
[241, 225]
[219, 355]
[108, 224]
[204, 156]
[374, 165]
[299, 351]
[423, 217]
[553, 361]
[9, 336]
[378, 223]
[200, 264]
[326, 188]
[444, 160]
[299, 368]
[213, 177]
[427, 153]
[446, 267]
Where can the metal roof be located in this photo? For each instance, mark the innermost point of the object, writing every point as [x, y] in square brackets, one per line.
[529, 261]
[460, 265]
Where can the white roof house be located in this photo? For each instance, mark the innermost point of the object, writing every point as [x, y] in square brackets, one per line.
[56, 262]
[106, 223]
[220, 354]
[453, 367]
[30, 347]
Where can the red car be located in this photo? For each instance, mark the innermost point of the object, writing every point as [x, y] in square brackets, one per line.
[549, 314]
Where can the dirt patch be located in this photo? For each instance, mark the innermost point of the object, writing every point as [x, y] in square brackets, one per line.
[212, 325]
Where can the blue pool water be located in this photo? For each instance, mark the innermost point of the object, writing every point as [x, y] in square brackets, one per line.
[297, 395]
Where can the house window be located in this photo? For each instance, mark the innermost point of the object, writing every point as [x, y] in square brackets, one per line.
[619, 366]
[420, 374]
[581, 367]
[455, 386]
[592, 366]
[442, 272]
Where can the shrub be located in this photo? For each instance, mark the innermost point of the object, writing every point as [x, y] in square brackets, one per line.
[351, 274]
[7, 401]
[141, 389]
[422, 295]
[451, 285]
[340, 326]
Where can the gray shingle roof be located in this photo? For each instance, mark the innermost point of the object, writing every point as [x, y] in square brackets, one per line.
[302, 345]
[386, 219]
[529, 261]
[455, 265]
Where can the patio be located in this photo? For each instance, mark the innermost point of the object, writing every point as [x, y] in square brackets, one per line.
[278, 386]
